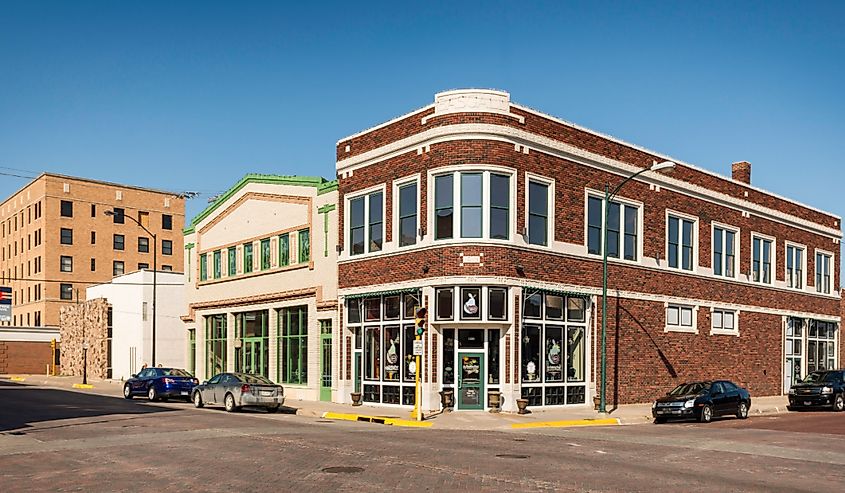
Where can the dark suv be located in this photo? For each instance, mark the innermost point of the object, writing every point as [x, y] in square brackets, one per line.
[819, 389]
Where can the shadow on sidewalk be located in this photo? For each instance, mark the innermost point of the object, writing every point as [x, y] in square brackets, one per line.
[22, 405]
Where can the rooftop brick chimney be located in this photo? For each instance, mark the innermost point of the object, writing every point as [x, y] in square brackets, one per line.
[741, 171]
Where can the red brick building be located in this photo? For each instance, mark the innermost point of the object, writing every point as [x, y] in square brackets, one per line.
[491, 215]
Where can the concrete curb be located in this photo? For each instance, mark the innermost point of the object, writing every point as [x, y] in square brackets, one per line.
[569, 423]
[378, 420]
[83, 386]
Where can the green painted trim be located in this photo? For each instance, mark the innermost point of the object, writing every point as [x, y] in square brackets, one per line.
[321, 184]
[326, 233]
[572, 294]
[382, 293]
[189, 246]
[327, 208]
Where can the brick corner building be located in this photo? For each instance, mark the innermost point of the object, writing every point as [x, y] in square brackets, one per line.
[491, 214]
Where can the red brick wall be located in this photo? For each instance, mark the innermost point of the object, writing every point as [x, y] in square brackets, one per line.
[24, 357]
[644, 361]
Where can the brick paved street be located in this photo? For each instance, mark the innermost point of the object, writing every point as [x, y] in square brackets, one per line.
[56, 440]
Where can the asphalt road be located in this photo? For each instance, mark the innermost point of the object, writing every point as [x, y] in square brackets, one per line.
[57, 440]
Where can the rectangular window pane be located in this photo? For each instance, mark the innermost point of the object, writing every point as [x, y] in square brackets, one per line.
[445, 304]
[673, 316]
[717, 319]
[594, 214]
[729, 253]
[686, 317]
[575, 354]
[497, 303]
[538, 212]
[554, 307]
[284, 250]
[408, 214]
[717, 251]
[530, 353]
[231, 258]
[553, 362]
[613, 211]
[305, 245]
[471, 202]
[392, 353]
[631, 226]
[353, 311]
[687, 252]
[470, 308]
[376, 219]
[265, 254]
[674, 237]
[372, 354]
[499, 206]
[443, 206]
[356, 226]
[248, 258]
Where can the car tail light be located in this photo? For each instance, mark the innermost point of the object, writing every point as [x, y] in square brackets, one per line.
[168, 381]
[245, 389]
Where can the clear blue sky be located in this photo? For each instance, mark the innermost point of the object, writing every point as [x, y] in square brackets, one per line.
[191, 96]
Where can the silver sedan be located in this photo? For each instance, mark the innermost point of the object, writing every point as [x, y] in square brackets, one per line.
[236, 390]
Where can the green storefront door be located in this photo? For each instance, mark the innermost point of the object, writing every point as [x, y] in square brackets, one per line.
[470, 381]
[252, 360]
[326, 367]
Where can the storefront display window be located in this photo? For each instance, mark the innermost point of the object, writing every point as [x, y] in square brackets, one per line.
[470, 304]
[445, 303]
[497, 303]
[409, 302]
[372, 309]
[448, 356]
[353, 311]
[215, 344]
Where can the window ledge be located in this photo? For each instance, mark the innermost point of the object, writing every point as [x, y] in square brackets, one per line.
[685, 330]
[720, 332]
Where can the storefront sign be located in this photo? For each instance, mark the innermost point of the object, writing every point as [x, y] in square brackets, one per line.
[5, 304]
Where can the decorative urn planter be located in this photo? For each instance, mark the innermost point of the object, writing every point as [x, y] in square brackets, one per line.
[522, 404]
[596, 402]
[356, 398]
[494, 398]
[446, 399]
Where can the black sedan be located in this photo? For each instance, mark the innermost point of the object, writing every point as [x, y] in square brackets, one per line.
[819, 389]
[702, 401]
[160, 383]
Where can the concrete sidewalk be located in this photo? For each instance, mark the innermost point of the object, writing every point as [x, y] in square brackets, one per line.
[458, 420]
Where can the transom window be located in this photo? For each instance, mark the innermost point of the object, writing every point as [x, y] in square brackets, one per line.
[724, 252]
[366, 223]
[761, 260]
[484, 202]
[622, 228]
[680, 242]
[823, 262]
[794, 267]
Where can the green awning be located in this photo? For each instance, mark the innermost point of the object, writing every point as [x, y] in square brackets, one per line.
[529, 290]
[387, 292]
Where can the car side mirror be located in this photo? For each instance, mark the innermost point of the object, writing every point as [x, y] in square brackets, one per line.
[134, 375]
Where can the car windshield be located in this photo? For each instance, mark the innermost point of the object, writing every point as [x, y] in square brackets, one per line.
[690, 388]
[175, 372]
[819, 376]
[244, 377]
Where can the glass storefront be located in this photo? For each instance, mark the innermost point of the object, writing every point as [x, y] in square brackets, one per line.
[809, 345]
[252, 342]
[553, 349]
[384, 333]
[215, 344]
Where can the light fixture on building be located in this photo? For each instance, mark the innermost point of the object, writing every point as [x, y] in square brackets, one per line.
[520, 269]
[426, 268]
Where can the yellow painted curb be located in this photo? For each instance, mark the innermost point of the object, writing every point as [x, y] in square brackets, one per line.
[17, 379]
[568, 423]
[377, 419]
[83, 386]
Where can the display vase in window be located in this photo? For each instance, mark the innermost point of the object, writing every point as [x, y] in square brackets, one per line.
[531, 370]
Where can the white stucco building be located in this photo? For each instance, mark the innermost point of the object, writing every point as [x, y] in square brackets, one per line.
[130, 299]
[261, 283]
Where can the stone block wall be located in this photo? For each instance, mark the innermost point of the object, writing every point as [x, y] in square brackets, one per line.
[80, 322]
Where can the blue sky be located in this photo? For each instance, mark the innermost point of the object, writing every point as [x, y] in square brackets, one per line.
[193, 95]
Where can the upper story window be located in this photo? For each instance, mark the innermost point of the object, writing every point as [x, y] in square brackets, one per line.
[203, 267]
[265, 254]
[724, 251]
[408, 214]
[66, 236]
[218, 264]
[247, 258]
[366, 223]
[680, 242]
[166, 247]
[143, 244]
[823, 262]
[166, 221]
[538, 212]
[484, 200]
[119, 242]
[118, 215]
[67, 210]
[680, 318]
[284, 249]
[232, 261]
[622, 228]
[761, 259]
[795, 266]
[304, 245]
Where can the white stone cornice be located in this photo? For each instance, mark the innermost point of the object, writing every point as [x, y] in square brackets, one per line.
[484, 131]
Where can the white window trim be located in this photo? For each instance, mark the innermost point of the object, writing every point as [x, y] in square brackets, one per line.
[347, 225]
[679, 328]
[588, 192]
[774, 241]
[726, 332]
[695, 238]
[786, 245]
[397, 184]
[737, 241]
[832, 272]
[486, 170]
[550, 203]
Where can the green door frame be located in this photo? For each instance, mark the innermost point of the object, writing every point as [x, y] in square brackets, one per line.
[326, 367]
[256, 351]
[478, 386]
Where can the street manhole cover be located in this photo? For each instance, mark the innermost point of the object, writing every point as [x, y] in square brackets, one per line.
[342, 469]
[325, 421]
[512, 456]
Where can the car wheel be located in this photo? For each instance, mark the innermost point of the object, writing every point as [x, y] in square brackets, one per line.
[706, 415]
[152, 394]
[659, 421]
[198, 400]
[742, 410]
[274, 409]
[127, 391]
[229, 403]
[839, 403]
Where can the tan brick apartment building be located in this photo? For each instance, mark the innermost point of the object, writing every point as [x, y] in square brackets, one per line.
[490, 213]
[55, 241]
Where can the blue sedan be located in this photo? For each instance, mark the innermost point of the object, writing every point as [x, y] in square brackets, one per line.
[160, 384]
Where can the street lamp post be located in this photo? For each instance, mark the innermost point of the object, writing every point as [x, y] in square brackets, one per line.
[608, 196]
[155, 269]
